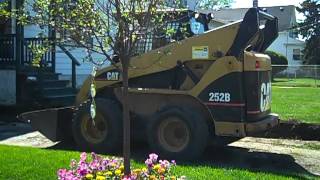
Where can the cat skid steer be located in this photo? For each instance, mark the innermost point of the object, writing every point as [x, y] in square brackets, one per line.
[215, 84]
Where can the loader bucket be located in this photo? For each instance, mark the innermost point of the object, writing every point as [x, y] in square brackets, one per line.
[54, 123]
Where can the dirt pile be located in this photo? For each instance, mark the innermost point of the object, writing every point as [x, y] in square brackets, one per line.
[294, 129]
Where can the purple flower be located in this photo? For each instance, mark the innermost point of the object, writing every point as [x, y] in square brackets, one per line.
[153, 157]
[164, 164]
[94, 155]
[73, 164]
[173, 162]
[149, 163]
[83, 169]
[83, 157]
[64, 174]
[94, 165]
[61, 173]
[127, 178]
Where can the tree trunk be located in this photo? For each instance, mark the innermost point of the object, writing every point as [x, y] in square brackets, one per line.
[126, 116]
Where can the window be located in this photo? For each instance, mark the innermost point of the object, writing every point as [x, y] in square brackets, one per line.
[293, 34]
[296, 54]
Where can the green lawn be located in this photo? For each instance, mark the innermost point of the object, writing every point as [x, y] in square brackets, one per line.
[299, 103]
[31, 163]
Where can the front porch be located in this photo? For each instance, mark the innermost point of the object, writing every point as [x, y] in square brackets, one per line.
[31, 84]
[16, 53]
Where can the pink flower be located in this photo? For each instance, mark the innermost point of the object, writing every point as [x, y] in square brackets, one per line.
[83, 169]
[83, 157]
[165, 164]
[94, 165]
[64, 174]
[149, 162]
[73, 164]
[61, 173]
[173, 162]
[127, 178]
[153, 157]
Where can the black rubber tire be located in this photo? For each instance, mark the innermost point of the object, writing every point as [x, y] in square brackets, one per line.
[196, 124]
[112, 114]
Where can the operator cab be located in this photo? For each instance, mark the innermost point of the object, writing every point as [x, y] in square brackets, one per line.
[186, 24]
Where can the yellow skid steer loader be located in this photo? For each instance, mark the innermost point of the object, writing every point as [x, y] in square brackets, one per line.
[181, 97]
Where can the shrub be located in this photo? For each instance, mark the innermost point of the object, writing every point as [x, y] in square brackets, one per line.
[100, 168]
[277, 59]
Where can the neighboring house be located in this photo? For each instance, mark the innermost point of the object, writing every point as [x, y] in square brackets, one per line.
[286, 44]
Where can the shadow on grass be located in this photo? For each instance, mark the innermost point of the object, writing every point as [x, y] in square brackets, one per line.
[10, 125]
[228, 157]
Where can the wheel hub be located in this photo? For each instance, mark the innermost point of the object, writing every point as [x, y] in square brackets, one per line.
[94, 131]
[173, 134]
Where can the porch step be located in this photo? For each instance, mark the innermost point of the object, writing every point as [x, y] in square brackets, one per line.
[54, 83]
[49, 76]
[56, 91]
[60, 100]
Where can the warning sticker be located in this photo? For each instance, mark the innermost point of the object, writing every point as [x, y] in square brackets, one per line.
[200, 52]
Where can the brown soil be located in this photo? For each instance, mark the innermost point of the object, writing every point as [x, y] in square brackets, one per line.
[294, 129]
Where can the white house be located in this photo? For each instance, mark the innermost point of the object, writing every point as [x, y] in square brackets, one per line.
[286, 44]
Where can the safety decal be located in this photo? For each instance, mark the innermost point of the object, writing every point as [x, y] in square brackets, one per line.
[200, 52]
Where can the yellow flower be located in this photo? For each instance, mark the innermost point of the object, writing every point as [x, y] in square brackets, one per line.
[144, 169]
[173, 178]
[161, 170]
[156, 167]
[108, 173]
[118, 172]
[89, 176]
[100, 173]
[121, 167]
[152, 177]
[137, 171]
[101, 178]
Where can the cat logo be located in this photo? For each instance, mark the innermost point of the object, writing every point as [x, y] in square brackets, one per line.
[265, 101]
[113, 76]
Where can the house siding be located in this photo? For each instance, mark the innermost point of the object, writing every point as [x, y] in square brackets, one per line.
[63, 62]
[7, 87]
[285, 45]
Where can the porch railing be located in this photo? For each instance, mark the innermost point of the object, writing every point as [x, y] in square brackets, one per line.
[7, 44]
[74, 63]
[9, 56]
[47, 59]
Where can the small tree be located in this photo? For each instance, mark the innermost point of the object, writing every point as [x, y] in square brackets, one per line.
[4, 14]
[310, 30]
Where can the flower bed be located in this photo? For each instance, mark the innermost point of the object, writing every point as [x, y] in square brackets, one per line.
[101, 168]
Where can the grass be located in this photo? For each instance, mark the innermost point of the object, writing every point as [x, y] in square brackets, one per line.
[299, 103]
[31, 163]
